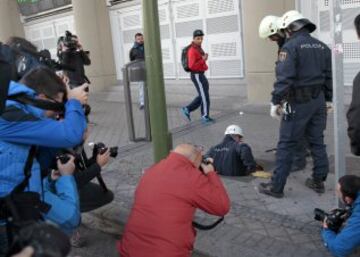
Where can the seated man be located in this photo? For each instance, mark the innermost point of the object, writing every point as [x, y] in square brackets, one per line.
[344, 243]
[232, 157]
[160, 223]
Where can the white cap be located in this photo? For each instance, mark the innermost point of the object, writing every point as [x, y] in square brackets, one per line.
[234, 130]
[268, 26]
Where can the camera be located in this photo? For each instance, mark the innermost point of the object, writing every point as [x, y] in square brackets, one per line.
[70, 41]
[47, 240]
[334, 219]
[100, 148]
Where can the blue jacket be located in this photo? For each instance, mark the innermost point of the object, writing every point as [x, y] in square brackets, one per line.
[348, 239]
[22, 126]
[303, 61]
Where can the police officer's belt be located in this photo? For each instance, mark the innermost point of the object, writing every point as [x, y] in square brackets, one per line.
[304, 94]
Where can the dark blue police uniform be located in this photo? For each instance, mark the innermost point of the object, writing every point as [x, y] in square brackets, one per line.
[303, 73]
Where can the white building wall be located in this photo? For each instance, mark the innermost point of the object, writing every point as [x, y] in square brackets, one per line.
[45, 32]
[219, 19]
[318, 11]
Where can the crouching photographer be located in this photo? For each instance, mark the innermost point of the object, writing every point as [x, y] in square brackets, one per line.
[29, 122]
[341, 227]
[92, 195]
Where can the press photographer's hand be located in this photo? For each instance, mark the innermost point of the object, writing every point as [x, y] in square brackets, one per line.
[80, 93]
[324, 224]
[103, 159]
[66, 168]
[207, 168]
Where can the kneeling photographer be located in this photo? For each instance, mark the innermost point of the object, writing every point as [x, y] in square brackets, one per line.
[341, 242]
[92, 195]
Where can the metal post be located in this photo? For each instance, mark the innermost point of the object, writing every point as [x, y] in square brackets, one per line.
[128, 104]
[155, 80]
[338, 87]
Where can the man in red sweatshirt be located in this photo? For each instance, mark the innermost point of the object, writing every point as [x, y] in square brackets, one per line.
[197, 64]
[160, 222]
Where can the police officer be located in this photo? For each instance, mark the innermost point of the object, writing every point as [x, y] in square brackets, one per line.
[269, 28]
[304, 83]
[232, 157]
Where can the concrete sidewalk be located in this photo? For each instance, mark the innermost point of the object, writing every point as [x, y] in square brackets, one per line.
[256, 226]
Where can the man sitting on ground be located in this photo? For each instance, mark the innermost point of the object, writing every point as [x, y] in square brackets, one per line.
[232, 157]
[160, 222]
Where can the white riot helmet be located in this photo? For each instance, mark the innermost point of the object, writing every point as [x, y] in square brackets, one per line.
[268, 26]
[234, 130]
[294, 21]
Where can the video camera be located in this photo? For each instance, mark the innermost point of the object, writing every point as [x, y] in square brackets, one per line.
[46, 240]
[334, 219]
[70, 41]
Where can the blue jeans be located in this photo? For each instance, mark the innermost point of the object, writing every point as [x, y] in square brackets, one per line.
[309, 120]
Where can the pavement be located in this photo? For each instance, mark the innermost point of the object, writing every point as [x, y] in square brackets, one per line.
[257, 225]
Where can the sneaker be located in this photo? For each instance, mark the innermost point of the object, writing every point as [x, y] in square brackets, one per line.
[267, 189]
[316, 185]
[207, 120]
[185, 112]
[76, 240]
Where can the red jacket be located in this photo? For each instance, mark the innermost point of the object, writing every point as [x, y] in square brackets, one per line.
[195, 59]
[160, 222]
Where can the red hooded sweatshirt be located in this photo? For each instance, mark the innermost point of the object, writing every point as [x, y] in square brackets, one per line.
[195, 59]
[160, 222]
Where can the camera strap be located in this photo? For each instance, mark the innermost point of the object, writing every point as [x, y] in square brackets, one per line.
[207, 227]
[27, 171]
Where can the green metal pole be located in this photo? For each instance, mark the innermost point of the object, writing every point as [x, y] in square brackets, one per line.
[161, 138]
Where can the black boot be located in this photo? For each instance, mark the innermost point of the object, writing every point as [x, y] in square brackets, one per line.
[316, 185]
[267, 189]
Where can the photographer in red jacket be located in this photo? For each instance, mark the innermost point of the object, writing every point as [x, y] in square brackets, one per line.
[197, 64]
[160, 222]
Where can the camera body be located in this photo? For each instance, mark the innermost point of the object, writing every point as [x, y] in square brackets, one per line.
[334, 219]
[70, 41]
[100, 148]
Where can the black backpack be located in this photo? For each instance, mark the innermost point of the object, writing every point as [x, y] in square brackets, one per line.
[185, 59]
[7, 72]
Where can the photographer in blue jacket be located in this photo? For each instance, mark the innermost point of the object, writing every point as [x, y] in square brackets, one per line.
[347, 240]
[25, 124]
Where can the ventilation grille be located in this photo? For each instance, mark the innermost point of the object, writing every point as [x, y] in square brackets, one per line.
[188, 11]
[162, 15]
[129, 35]
[185, 29]
[225, 68]
[351, 50]
[132, 21]
[166, 54]
[348, 16]
[350, 71]
[48, 32]
[222, 24]
[169, 70]
[223, 49]
[165, 31]
[325, 21]
[220, 6]
[62, 28]
[35, 34]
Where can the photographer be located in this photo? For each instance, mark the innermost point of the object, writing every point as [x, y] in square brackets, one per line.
[233, 157]
[71, 53]
[343, 243]
[23, 125]
[165, 202]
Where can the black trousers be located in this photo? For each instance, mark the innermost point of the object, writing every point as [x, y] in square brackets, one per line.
[203, 99]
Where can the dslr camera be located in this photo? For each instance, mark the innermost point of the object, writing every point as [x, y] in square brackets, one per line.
[70, 41]
[100, 148]
[335, 218]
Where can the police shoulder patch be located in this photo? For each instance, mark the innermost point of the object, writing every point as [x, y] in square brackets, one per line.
[282, 56]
